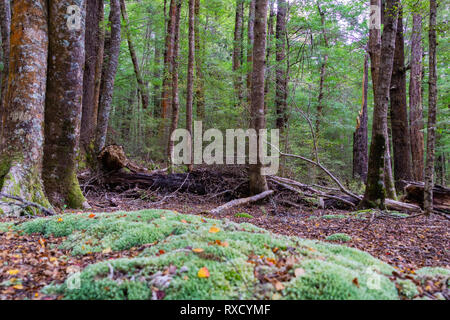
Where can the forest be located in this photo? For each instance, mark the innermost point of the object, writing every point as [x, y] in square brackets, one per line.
[224, 150]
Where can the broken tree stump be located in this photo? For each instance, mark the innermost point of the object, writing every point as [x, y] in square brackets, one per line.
[441, 196]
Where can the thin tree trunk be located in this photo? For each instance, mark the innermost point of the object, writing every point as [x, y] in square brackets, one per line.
[142, 89]
[110, 75]
[270, 34]
[22, 148]
[399, 112]
[250, 44]
[432, 110]
[63, 106]
[258, 182]
[281, 68]
[94, 45]
[237, 51]
[156, 77]
[5, 25]
[199, 79]
[175, 95]
[190, 77]
[360, 137]
[415, 100]
[375, 193]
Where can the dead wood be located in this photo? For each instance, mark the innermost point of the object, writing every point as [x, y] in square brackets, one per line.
[241, 201]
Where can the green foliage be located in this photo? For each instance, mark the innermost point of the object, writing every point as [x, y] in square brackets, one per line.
[342, 237]
[243, 215]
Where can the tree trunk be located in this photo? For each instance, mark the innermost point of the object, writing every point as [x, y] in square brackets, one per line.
[375, 193]
[156, 77]
[142, 88]
[399, 112]
[281, 69]
[109, 77]
[175, 95]
[22, 148]
[190, 77]
[5, 25]
[360, 137]
[270, 34]
[63, 105]
[94, 46]
[432, 110]
[258, 182]
[415, 100]
[199, 79]
[250, 44]
[237, 52]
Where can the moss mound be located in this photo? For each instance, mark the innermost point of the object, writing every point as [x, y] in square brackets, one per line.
[343, 237]
[243, 261]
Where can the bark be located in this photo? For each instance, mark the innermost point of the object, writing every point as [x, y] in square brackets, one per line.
[22, 148]
[360, 137]
[175, 95]
[199, 79]
[375, 193]
[109, 76]
[240, 202]
[190, 77]
[237, 50]
[432, 110]
[5, 25]
[156, 77]
[250, 44]
[63, 107]
[281, 69]
[258, 182]
[270, 34]
[399, 112]
[93, 57]
[142, 88]
[375, 51]
[415, 100]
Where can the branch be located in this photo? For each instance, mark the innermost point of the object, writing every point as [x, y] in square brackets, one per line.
[241, 201]
[26, 204]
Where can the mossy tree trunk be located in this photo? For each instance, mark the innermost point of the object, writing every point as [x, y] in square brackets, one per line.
[5, 26]
[258, 182]
[375, 193]
[64, 104]
[199, 77]
[281, 67]
[22, 148]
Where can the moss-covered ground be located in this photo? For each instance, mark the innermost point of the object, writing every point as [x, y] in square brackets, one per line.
[191, 257]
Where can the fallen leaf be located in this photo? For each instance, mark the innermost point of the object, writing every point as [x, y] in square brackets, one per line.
[107, 250]
[214, 230]
[13, 272]
[299, 272]
[184, 221]
[92, 215]
[60, 220]
[203, 273]
[198, 250]
[278, 285]
[356, 282]
[18, 287]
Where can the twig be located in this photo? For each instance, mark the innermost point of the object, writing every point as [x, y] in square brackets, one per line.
[241, 201]
[28, 204]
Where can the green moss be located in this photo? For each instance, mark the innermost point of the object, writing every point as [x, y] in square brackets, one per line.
[330, 270]
[334, 216]
[75, 198]
[407, 288]
[243, 215]
[343, 237]
[437, 271]
[5, 226]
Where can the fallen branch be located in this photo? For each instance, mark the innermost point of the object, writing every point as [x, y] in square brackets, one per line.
[27, 204]
[241, 201]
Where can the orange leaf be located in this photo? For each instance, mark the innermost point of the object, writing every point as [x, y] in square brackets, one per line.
[203, 273]
[198, 250]
[18, 287]
[92, 215]
[225, 244]
[13, 272]
[184, 221]
[60, 220]
[214, 230]
[278, 285]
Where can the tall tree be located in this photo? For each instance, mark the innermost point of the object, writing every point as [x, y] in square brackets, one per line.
[270, 36]
[109, 76]
[250, 44]
[432, 109]
[415, 100]
[63, 104]
[142, 88]
[199, 78]
[375, 189]
[190, 73]
[175, 95]
[258, 182]
[22, 145]
[94, 46]
[281, 66]
[237, 49]
[5, 25]
[360, 137]
[399, 112]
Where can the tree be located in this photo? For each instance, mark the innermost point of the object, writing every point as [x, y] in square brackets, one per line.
[258, 182]
[94, 46]
[142, 88]
[270, 36]
[109, 76]
[23, 135]
[415, 100]
[250, 44]
[375, 189]
[190, 73]
[63, 104]
[281, 68]
[237, 49]
[399, 112]
[432, 101]
[199, 78]
[360, 137]
[5, 25]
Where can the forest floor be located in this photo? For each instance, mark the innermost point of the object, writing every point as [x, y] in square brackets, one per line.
[30, 262]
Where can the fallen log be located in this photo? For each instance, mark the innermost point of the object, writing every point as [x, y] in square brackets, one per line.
[113, 158]
[441, 196]
[241, 201]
